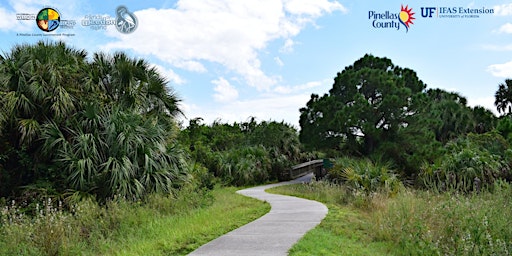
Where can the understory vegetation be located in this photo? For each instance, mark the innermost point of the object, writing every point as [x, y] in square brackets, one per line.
[94, 161]
[413, 222]
[161, 225]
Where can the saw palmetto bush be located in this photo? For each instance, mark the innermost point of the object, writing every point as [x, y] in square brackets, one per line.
[471, 163]
[364, 176]
[104, 126]
[126, 155]
[245, 166]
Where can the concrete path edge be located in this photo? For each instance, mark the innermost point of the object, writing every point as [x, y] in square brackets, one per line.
[289, 219]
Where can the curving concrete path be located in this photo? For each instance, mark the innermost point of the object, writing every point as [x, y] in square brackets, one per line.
[274, 233]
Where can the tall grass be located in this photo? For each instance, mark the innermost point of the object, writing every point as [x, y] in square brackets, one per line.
[161, 225]
[346, 230]
[448, 224]
[410, 223]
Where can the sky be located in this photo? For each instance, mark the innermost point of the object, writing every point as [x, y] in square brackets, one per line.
[230, 60]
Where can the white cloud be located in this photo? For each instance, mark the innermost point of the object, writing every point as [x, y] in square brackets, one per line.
[278, 61]
[9, 21]
[12, 7]
[486, 102]
[7, 16]
[506, 28]
[288, 46]
[278, 108]
[225, 92]
[269, 106]
[503, 10]
[313, 9]
[501, 70]
[171, 76]
[507, 47]
[190, 111]
[300, 88]
[226, 32]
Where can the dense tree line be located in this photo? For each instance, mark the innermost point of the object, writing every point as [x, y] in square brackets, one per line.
[380, 111]
[106, 127]
[244, 153]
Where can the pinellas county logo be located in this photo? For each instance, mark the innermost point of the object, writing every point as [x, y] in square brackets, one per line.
[387, 19]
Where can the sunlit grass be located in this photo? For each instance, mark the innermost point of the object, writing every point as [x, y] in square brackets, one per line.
[345, 229]
[180, 234]
[160, 226]
[410, 223]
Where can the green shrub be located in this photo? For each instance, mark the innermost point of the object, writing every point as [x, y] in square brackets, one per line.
[245, 166]
[363, 176]
[471, 163]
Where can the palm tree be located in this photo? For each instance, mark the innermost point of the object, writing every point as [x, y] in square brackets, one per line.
[104, 127]
[127, 155]
[133, 83]
[503, 97]
[38, 84]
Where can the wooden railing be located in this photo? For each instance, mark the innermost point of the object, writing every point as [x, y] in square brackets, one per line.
[318, 167]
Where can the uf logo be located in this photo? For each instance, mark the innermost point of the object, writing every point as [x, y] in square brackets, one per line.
[426, 12]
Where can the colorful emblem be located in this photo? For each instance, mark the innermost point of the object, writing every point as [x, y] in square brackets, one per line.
[48, 19]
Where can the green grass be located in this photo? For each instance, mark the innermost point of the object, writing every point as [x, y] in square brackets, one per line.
[409, 223]
[181, 234]
[344, 231]
[160, 226]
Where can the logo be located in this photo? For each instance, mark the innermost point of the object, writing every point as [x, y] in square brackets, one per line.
[25, 16]
[126, 22]
[455, 12]
[98, 22]
[393, 20]
[48, 19]
[406, 17]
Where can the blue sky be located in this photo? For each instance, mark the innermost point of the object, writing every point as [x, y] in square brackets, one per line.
[232, 59]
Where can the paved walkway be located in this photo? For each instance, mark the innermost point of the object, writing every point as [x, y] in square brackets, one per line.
[274, 233]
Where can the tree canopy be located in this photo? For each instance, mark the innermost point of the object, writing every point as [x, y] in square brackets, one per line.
[379, 110]
[503, 97]
[368, 103]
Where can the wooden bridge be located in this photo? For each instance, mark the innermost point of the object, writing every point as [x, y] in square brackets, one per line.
[318, 167]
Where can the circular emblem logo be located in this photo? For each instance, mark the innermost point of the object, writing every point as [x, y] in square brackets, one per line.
[126, 22]
[48, 19]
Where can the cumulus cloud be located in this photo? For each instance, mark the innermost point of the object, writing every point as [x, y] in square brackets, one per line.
[506, 28]
[226, 32]
[486, 102]
[262, 108]
[501, 70]
[225, 92]
[7, 15]
[503, 10]
[170, 75]
[285, 105]
[312, 9]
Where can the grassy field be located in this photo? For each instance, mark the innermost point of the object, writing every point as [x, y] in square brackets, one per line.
[161, 226]
[410, 223]
[344, 231]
